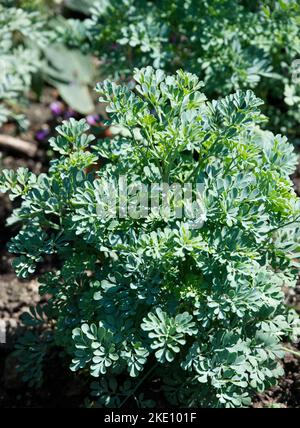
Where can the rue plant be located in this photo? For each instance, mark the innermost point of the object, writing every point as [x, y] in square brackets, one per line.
[196, 307]
[229, 44]
[22, 36]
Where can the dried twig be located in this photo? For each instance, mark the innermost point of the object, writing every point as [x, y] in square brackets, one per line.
[17, 144]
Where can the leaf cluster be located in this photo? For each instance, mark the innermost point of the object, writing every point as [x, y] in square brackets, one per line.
[201, 308]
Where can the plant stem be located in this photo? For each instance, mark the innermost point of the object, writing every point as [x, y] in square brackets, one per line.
[138, 385]
[291, 351]
[284, 225]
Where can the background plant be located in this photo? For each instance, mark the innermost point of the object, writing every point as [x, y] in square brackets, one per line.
[139, 299]
[31, 57]
[229, 44]
[22, 36]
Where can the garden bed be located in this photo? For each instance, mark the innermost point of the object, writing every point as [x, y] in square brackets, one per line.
[152, 312]
[61, 388]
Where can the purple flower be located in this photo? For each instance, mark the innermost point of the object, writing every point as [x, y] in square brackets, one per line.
[173, 39]
[42, 134]
[92, 119]
[70, 113]
[56, 108]
[114, 46]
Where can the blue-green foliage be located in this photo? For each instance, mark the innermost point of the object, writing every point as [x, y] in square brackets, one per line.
[22, 36]
[30, 56]
[229, 44]
[200, 308]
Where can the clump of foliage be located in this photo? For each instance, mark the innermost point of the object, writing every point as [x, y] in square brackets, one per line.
[200, 308]
[22, 36]
[229, 44]
[30, 56]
